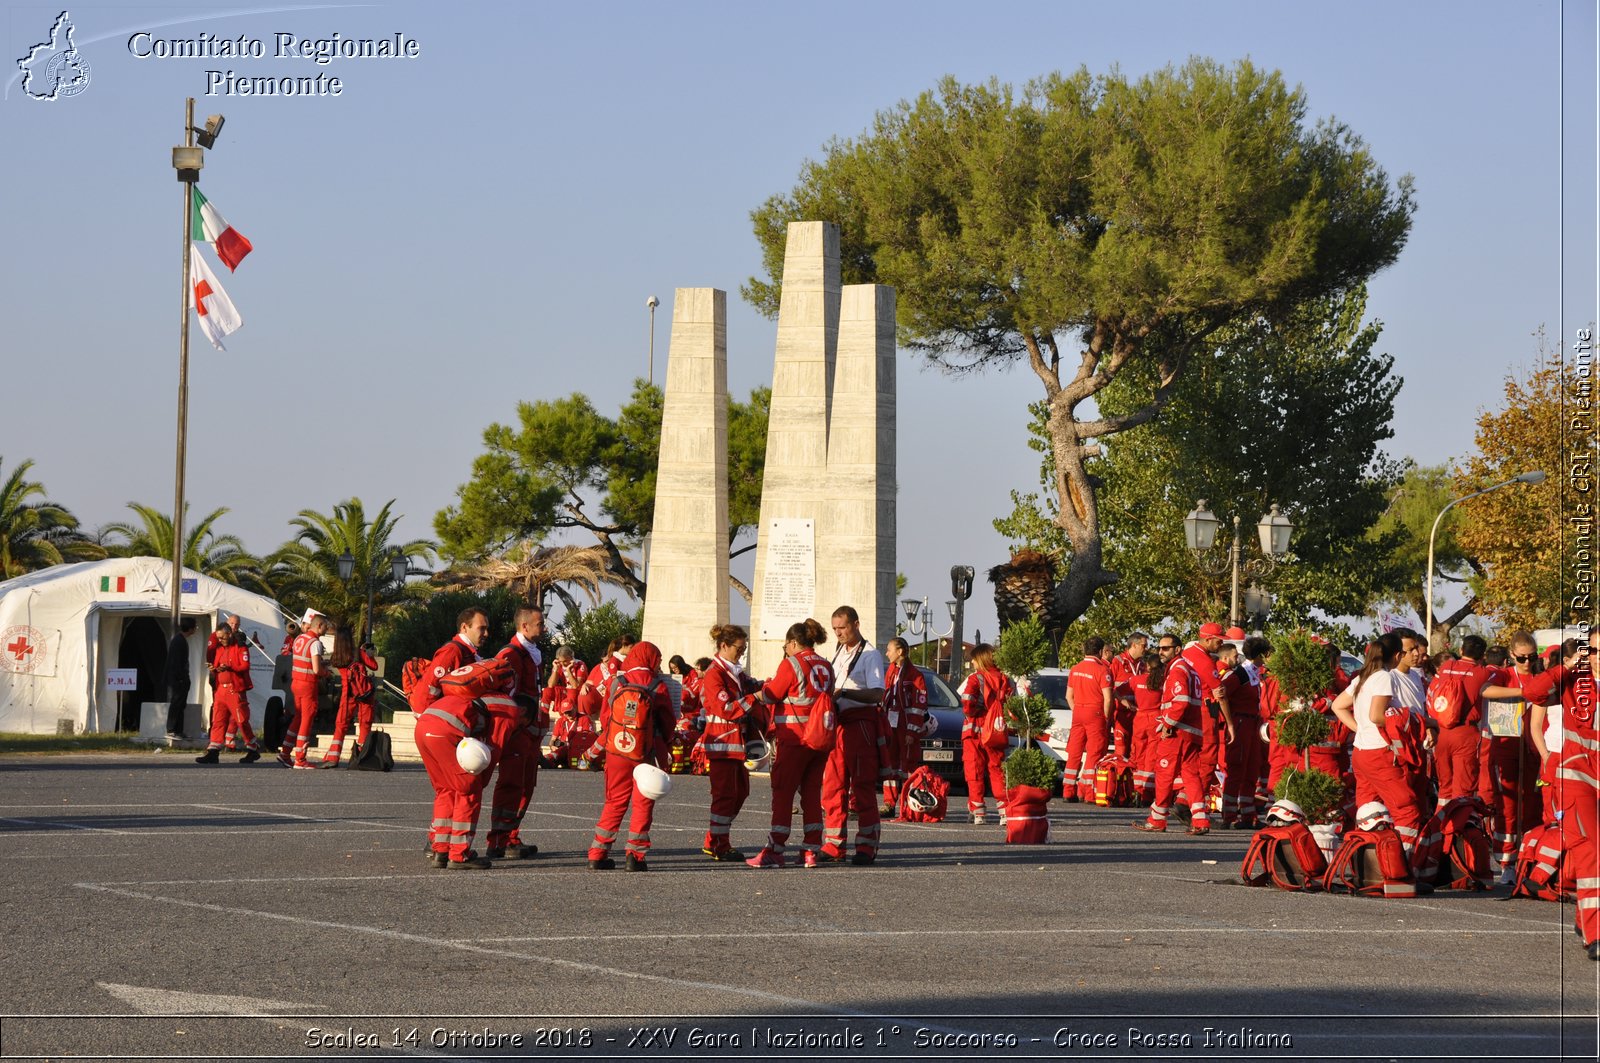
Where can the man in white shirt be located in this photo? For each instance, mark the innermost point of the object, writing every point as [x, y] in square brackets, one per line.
[854, 771]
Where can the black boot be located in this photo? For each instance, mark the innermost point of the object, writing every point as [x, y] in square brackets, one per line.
[210, 756]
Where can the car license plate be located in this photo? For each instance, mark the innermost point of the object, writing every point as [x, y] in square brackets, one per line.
[939, 754]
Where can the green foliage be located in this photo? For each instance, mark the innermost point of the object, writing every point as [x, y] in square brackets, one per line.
[1028, 716]
[35, 535]
[419, 627]
[590, 631]
[305, 570]
[1318, 794]
[564, 458]
[1024, 648]
[222, 557]
[1100, 224]
[1031, 766]
[1302, 665]
[1302, 729]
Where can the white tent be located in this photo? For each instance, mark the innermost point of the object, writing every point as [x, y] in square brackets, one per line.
[65, 631]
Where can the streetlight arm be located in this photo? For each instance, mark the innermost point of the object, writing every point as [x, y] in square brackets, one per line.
[1452, 504]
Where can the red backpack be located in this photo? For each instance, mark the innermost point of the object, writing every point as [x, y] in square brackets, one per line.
[1287, 856]
[1548, 861]
[1371, 863]
[1404, 730]
[1113, 783]
[415, 685]
[1447, 700]
[994, 733]
[492, 676]
[925, 782]
[1452, 851]
[822, 722]
[630, 730]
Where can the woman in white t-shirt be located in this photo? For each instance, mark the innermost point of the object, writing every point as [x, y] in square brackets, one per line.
[1379, 776]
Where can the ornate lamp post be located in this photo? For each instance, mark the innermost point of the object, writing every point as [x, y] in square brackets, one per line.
[1272, 530]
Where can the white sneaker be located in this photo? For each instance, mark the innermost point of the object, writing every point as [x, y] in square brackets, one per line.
[977, 817]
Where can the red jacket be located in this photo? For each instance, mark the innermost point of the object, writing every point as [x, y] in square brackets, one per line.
[305, 673]
[905, 693]
[1088, 681]
[1123, 669]
[1180, 697]
[356, 679]
[523, 664]
[1244, 697]
[725, 707]
[983, 692]
[447, 658]
[231, 667]
[795, 686]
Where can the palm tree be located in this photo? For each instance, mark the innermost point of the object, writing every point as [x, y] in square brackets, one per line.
[35, 535]
[534, 571]
[222, 557]
[307, 567]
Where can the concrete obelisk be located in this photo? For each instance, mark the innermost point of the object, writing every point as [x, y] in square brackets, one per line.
[688, 577]
[794, 482]
[856, 539]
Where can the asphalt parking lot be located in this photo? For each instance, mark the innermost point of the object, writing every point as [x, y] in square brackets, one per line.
[157, 909]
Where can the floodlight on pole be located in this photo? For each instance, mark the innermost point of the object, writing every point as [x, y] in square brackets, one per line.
[652, 303]
[1532, 476]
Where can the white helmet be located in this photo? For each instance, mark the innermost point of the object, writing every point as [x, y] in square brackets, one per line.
[1284, 811]
[652, 781]
[1373, 815]
[930, 724]
[473, 755]
[920, 800]
[756, 749]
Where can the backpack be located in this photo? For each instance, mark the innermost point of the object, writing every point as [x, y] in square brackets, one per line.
[1113, 782]
[1371, 863]
[1287, 856]
[493, 676]
[1447, 700]
[1452, 851]
[995, 733]
[1547, 864]
[629, 732]
[376, 755]
[924, 780]
[822, 723]
[414, 683]
[1404, 732]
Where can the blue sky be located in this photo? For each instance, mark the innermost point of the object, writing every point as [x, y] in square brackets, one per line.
[483, 224]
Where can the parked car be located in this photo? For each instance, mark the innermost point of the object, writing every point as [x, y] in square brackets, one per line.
[941, 750]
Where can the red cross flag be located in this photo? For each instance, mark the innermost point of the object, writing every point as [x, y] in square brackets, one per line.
[218, 318]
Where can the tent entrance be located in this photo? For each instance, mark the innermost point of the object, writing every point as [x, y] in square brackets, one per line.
[142, 646]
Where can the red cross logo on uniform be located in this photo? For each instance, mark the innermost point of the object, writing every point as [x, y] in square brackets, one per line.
[20, 648]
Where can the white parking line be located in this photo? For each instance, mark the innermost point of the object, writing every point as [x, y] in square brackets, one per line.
[932, 932]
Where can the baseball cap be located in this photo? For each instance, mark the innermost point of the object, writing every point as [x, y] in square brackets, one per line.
[1210, 631]
[1235, 634]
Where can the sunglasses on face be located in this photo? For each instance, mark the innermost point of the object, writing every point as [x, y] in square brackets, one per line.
[1166, 649]
[1523, 658]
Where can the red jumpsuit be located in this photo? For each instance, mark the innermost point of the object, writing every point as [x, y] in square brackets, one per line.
[1205, 670]
[796, 767]
[1124, 706]
[447, 658]
[517, 737]
[457, 794]
[1242, 757]
[983, 691]
[230, 709]
[1088, 683]
[1178, 753]
[1455, 756]
[213, 643]
[905, 716]
[1573, 772]
[1508, 768]
[356, 698]
[1145, 740]
[308, 671]
[726, 707]
[642, 668]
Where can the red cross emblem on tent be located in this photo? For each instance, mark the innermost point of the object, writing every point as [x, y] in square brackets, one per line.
[27, 650]
[20, 649]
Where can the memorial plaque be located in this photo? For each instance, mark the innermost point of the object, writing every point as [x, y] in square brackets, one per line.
[789, 593]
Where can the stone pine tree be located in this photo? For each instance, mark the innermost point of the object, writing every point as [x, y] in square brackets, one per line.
[1086, 225]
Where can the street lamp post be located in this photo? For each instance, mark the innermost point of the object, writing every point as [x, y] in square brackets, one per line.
[1533, 476]
[913, 607]
[652, 303]
[188, 160]
[1272, 530]
[399, 568]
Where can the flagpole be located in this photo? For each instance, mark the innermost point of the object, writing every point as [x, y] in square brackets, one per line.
[183, 377]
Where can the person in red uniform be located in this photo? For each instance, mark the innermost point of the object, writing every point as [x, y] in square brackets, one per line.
[1363, 707]
[1456, 756]
[985, 690]
[1178, 755]
[1124, 666]
[905, 719]
[1146, 687]
[560, 700]
[472, 629]
[591, 703]
[230, 711]
[1244, 752]
[641, 667]
[356, 694]
[726, 696]
[516, 735]
[855, 765]
[1201, 655]
[457, 793]
[1089, 688]
[1573, 772]
[1508, 764]
[231, 623]
[309, 669]
[793, 693]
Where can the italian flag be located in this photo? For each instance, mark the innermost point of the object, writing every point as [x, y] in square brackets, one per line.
[229, 244]
[114, 583]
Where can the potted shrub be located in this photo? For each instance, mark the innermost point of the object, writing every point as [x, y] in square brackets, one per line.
[1030, 772]
[1303, 666]
[1319, 795]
